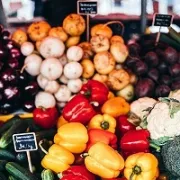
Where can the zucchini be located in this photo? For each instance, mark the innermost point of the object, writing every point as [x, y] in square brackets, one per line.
[3, 177]
[2, 165]
[9, 123]
[166, 39]
[6, 138]
[12, 178]
[19, 172]
[21, 157]
[174, 34]
[47, 174]
[6, 155]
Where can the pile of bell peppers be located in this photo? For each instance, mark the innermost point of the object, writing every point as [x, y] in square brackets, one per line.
[95, 139]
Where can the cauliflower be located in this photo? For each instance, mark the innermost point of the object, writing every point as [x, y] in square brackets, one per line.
[175, 94]
[163, 120]
[139, 106]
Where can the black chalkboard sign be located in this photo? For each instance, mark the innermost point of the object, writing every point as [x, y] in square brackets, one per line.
[25, 142]
[87, 7]
[164, 20]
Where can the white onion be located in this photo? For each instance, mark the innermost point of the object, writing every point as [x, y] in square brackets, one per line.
[63, 59]
[73, 70]
[75, 53]
[51, 47]
[52, 87]
[42, 81]
[32, 64]
[27, 48]
[63, 79]
[63, 94]
[74, 85]
[51, 68]
[45, 99]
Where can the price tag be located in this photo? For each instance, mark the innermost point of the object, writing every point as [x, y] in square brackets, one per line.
[25, 142]
[87, 7]
[163, 20]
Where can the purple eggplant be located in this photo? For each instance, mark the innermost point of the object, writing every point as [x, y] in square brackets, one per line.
[28, 105]
[31, 89]
[9, 76]
[11, 93]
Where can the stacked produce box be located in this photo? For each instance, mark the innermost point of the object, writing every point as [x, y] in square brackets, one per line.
[100, 110]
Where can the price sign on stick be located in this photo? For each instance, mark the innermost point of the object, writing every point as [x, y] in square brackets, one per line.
[162, 20]
[87, 8]
[25, 142]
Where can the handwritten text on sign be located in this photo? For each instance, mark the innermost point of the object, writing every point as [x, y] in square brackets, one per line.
[87, 7]
[164, 20]
[25, 142]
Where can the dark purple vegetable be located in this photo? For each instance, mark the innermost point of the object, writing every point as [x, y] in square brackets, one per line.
[1, 86]
[28, 106]
[175, 70]
[13, 63]
[9, 76]
[3, 54]
[1, 28]
[5, 35]
[15, 53]
[11, 93]
[10, 44]
[32, 88]
[162, 91]
[144, 87]
[140, 68]
[163, 68]
[175, 85]
[153, 74]
[134, 49]
[22, 78]
[1, 65]
[6, 107]
[165, 79]
[151, 59]
[171, 55]
[131, 61]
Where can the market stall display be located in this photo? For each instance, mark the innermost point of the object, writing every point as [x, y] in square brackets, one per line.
[95, 114]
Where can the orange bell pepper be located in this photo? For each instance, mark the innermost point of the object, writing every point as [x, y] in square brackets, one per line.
[141, 166]
[105, 122]
[115, 107]
[104, 161]
[58, 159]
[72, 136]
[61, 121]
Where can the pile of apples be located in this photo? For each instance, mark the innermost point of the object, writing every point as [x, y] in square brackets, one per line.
[60, 62]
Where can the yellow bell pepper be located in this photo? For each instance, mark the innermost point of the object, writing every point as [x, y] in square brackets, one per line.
[72, 136]
[105, 122]
[115, 107]
[58, 159]
[141, 166]
[104, 161]
[61, 121]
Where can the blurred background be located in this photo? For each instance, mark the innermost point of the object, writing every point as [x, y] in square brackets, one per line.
[20, 13]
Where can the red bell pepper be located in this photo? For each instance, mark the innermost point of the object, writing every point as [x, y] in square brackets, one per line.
[135, 141]
[78, 109]
[99, 135]
[46, 118]
[95, 91]
[123, 125]
[77, 173]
